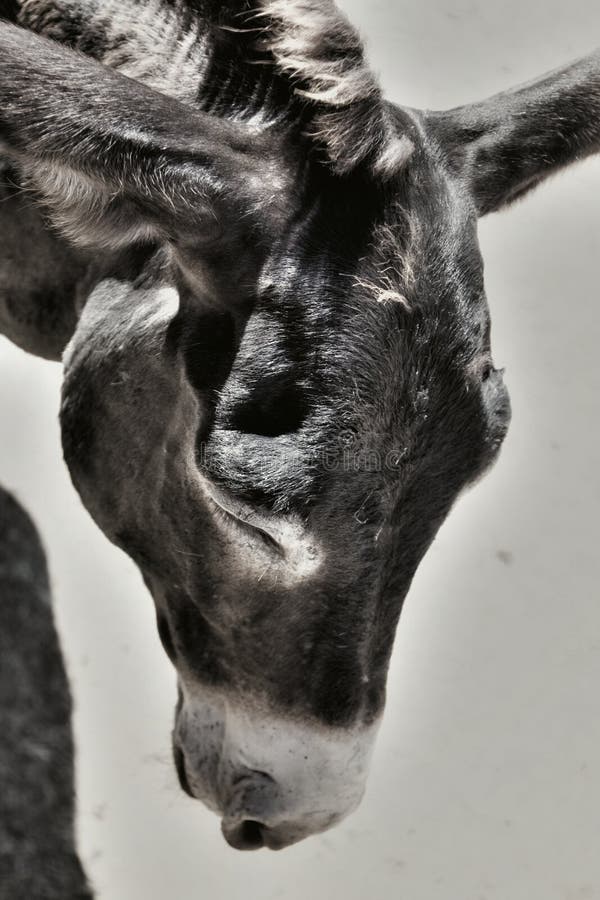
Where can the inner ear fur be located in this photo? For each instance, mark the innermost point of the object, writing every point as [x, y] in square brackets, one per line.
[114, 160]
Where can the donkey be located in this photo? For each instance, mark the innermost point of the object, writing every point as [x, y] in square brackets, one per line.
[265, 284]
[38, 857]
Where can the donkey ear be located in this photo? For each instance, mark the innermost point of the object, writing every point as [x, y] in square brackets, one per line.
[113, 160]
[510, 143]
[314, 45]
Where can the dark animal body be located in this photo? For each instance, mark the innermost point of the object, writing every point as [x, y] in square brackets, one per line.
[280, 373]
[38, 859]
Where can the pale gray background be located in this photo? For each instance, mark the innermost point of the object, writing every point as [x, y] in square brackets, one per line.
[486, 779]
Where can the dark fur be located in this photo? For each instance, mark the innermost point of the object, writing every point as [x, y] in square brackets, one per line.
[9, 9]
[38, 859]
[330, 358]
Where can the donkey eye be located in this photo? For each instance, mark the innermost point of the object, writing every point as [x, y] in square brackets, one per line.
[494, 376]
[248, 528]
[497, 400]
[242, 521]
[489, 371]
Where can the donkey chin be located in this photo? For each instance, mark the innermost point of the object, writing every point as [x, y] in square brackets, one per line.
[273, 780]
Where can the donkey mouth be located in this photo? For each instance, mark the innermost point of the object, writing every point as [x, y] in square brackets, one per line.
[247, 835]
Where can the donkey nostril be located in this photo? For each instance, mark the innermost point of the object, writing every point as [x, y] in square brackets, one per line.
[252, 834]
[249, 835]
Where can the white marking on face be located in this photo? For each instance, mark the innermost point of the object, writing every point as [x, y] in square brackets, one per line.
[300, 556]
[246, 763]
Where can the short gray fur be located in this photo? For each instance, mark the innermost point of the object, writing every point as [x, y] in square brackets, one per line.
[38, 857]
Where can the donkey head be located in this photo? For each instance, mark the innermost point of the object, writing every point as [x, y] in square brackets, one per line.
[282, 377]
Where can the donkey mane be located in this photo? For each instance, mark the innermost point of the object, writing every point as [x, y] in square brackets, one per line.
[295, 59]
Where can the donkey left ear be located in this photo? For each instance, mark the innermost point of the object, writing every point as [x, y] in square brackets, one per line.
[113, 160]
[510, 143]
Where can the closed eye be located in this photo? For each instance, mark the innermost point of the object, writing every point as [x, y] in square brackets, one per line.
[247, 528]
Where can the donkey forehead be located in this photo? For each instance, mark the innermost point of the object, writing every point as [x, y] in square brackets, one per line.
[365, 349]
[364, 280]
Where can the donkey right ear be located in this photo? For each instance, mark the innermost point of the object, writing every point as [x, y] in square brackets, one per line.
[114, 161]
[506, 145]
